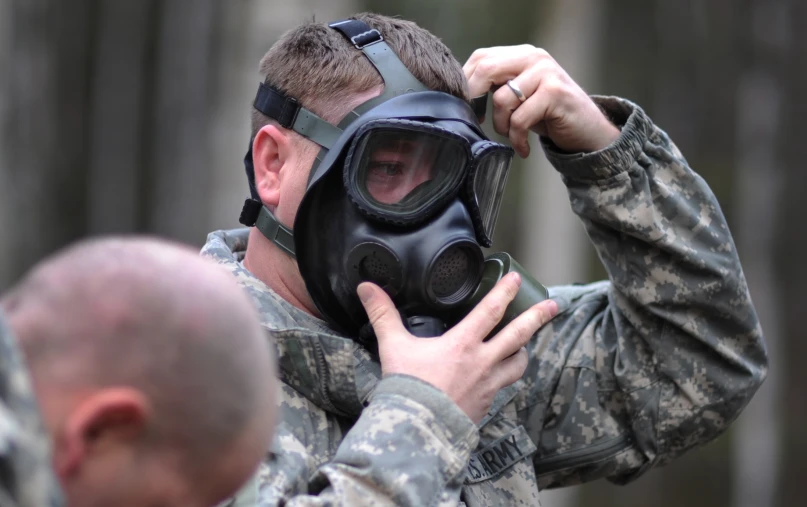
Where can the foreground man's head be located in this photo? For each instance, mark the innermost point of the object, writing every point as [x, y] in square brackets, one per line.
[151, 371]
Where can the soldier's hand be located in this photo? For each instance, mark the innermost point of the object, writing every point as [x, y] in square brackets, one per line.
[460, 363]
[554, 106]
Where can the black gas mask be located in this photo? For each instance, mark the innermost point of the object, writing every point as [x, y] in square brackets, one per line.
[405, 193]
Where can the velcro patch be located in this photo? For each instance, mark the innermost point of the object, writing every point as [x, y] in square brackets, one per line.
[499, 456]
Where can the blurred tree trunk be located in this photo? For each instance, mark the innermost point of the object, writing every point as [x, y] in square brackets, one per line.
[760, 176]
[6, 223]
[119, 99]
[553, 240]
[43, 129]
[178, 127]
[791, 243]
[151, 91]
[682, 68]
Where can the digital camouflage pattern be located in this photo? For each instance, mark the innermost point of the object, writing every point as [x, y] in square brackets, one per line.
[26, 479]
[630, 374]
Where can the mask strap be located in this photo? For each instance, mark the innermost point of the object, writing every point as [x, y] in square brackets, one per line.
[288, 112]
[480, 106]
[254, 213]
[397, 78]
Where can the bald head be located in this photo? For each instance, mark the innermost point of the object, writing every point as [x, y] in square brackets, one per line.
[157, 318]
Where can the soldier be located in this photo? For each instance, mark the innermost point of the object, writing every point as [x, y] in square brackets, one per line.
[152, 374]
[368, 170]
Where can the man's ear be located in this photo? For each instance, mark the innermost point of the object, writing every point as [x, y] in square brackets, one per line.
[270, 150]
[107, 418]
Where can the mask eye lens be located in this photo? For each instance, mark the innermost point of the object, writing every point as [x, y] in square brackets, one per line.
[397, 168]
[405, 170]
[489, 180]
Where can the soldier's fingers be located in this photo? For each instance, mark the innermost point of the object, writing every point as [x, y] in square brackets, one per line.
[384, 318]
[484, 317]
[476, 57]
[533, 111]
[497, 65]
[518, 332]
[496, 70]
[506, 100]
[510, 369]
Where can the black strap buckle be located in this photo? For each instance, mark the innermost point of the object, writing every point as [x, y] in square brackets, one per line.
[249, 213]
[277, 105]
[255, 214]
[363, 40]
[358, 32]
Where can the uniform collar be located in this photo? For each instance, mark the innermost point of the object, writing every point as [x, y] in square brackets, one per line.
[333, 371]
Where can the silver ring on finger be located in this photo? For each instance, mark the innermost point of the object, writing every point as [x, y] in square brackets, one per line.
[516, 90]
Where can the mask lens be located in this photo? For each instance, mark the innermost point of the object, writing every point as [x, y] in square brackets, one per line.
[489, 179]
[406, 172]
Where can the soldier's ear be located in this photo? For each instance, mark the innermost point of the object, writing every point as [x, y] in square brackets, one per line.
[271, 150]
[107, 418]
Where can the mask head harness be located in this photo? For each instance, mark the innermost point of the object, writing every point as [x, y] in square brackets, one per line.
[403, 192]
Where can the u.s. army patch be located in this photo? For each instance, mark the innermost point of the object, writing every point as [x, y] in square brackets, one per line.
[499, 456]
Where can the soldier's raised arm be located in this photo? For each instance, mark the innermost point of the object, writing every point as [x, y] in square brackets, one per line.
[665, 356]
[662, 358]
[635, 371]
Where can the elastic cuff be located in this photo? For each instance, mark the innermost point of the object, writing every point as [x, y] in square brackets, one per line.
[613, 159]
[438, 403]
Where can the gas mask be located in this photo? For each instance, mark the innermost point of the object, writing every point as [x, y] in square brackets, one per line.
[404, 193]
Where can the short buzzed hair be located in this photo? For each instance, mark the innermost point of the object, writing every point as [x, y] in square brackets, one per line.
[316, 65]
[150, 315]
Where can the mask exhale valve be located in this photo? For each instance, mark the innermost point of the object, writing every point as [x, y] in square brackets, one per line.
[423, 326]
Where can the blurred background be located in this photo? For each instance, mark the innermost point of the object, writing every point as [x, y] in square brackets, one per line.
[132, 116]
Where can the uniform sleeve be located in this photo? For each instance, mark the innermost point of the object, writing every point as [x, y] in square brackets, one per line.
[409, 447]
[663, 356]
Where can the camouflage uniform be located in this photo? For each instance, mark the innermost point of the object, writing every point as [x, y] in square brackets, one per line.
[26, 479]
[630, 374]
